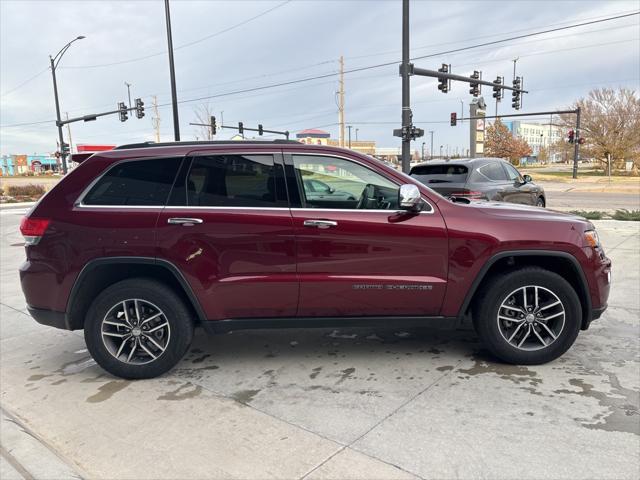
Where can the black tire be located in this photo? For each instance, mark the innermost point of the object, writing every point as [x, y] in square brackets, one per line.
[540, 202]
[499, 288]
[178, 316]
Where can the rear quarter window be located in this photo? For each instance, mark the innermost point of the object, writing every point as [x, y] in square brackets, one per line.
[440, 173]
[136, 182]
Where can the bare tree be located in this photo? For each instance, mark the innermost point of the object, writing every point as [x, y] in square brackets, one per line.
[610, 124]
[203, 114]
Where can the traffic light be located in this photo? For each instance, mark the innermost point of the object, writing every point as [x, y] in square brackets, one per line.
[240, 128]
[572, 136]
[443, 83]
[213, 125]
[497, 89]
[475, 87]
[260, 129]
[454, 119]
[65, 150]
[124, 114]
[515, 94]
[139, 108]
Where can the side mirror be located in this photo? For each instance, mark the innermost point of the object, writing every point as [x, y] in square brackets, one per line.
[332, 190]
[527, 179]
[409, 198]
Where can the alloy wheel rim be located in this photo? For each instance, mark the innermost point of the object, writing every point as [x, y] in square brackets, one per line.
[135, 331]
[531, 318]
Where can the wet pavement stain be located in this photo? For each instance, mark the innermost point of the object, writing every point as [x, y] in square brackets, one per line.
[245, 396]
[513, 373]
[35, 378]
[315, 372]
[346, 373]
[624, 415]
[181, 393]
[201, 359]
[58, 382]
[444, 368]
[106, 391]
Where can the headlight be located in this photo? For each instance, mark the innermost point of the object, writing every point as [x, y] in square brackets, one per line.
[591, 239]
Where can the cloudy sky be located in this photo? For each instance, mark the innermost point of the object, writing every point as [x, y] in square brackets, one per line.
[223, 47]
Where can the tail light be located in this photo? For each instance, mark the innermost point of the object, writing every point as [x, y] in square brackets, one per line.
[32, 229]
[467, 194]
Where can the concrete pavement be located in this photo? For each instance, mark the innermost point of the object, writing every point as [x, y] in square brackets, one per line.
[329, 404]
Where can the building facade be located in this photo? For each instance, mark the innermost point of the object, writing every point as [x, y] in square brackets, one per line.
[313, 136]
[538, 135]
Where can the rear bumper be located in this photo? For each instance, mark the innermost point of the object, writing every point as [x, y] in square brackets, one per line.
[49, 318]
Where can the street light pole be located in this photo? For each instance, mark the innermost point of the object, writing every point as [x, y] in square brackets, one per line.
[349, 128]
[54, 64]
[128, 92]
[357, 134]
[172, 72]
[431, 151]
[423, 144]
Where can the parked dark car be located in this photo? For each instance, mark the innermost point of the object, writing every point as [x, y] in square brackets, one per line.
[480, 179]
[141, 244]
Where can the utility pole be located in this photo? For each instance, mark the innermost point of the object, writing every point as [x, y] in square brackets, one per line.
[349, 128]
[423, 143]
[515, 60]
[461, 110]
[69, 132]
[155, 121]
[128, 92]
[341, 104]
[431, 150]
[406, 90]
[172, 72]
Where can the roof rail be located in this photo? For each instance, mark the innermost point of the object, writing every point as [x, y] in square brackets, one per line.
[210, 142]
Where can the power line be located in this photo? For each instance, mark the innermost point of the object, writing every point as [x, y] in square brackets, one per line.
[24, 83]
[184, 45]
[385, 64]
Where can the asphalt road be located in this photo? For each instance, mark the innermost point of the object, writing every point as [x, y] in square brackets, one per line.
[368, 403]
[585, 200]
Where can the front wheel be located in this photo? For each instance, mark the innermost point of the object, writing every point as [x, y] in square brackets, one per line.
[540, 202]
[530, 316]
[138, 328]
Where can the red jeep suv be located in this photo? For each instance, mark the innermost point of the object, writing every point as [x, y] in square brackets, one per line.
[139, 245]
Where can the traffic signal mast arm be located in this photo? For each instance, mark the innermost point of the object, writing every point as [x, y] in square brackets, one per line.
[241, 128]
[94, 116]
[423, 72]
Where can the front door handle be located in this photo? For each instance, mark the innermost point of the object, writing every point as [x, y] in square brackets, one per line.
[320, 223]
[184, 221]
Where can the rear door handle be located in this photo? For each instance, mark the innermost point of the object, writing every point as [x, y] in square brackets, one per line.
[320, 223]
[184, 221]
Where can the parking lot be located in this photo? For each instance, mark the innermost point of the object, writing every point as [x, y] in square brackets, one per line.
[334, 404]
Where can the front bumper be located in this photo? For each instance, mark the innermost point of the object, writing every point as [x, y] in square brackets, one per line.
[49, 318]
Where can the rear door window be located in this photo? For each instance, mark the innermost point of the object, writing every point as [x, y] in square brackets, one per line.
[135, 183]
[492, 172]
[450, 173]
[231, 181]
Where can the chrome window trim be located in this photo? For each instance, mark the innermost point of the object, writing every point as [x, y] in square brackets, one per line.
[392, 180]
[79, 203]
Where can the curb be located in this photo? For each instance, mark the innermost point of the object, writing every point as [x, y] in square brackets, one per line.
[9, 206]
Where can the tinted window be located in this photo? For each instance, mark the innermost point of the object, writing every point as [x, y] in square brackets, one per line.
[512, 173]
[139, 182]
[449, 173]
[232, 181]
[329, 182]
[493, 172]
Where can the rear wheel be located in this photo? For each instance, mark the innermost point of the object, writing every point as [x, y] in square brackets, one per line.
[528, 317]
[540, 202]
[138, 328]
